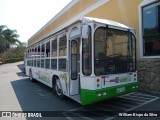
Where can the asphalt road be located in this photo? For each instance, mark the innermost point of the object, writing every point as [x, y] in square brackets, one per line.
[17, 93]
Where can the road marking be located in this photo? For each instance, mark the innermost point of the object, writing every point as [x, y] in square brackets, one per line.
[108, 118]
[143, 104]
[92, 112]
[75, 109]
[143, 94]
[43, 93]
[132, 100]
[139, 97]
[71, 118]
[127, 102]
[116, 107]
[120, 103]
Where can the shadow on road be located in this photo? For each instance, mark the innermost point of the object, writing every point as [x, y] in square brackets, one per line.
[35, 96]
[21, 74]
[21, 67]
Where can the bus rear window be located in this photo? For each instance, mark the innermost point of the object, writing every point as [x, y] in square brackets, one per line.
[114, 51]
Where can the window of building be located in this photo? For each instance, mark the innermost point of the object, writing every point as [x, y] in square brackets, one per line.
[151, 29]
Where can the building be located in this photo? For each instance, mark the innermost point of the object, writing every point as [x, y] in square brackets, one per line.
[142, 15]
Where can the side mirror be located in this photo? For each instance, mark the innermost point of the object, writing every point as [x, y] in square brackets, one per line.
[85, 31]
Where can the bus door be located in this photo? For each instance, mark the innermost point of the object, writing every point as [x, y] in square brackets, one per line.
[74, 66]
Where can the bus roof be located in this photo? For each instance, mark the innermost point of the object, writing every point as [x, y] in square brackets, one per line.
[110, 23]
[105, 21]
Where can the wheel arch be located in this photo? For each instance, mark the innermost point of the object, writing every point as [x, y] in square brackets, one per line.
[30, 69]
[54, 77]
[31, 75]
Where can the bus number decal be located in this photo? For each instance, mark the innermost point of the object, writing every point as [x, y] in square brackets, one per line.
[118, 80]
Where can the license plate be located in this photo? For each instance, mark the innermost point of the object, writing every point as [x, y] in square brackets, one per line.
[120, 90]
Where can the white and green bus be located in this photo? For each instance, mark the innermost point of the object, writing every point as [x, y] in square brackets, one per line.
[89, 60]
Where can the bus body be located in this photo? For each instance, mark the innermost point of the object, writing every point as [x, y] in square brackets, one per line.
[89, 61]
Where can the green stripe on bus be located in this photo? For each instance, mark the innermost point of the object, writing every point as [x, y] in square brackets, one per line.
[90, 96]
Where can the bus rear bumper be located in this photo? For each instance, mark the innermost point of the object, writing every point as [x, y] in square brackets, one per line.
[93, 96]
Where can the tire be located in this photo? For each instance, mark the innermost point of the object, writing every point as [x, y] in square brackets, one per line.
[31, 76]
[58, 89]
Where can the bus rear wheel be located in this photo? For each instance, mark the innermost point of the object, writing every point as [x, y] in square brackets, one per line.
[58, 89]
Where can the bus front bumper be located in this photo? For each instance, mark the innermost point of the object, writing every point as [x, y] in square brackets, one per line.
[93, 96]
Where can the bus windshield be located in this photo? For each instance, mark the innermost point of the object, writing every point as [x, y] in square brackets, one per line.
[114, 51]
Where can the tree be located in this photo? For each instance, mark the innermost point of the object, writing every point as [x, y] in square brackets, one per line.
[8, 38]
[3, 43]
[11, 37]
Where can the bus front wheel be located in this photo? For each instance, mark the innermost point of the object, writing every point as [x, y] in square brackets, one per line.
[58, 88]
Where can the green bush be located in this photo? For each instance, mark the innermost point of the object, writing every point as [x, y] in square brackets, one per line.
[11, 60]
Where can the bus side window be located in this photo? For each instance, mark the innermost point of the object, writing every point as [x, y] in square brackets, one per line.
[62, 53]
[87, 55]
[38, 56]
[42, 51]
[48, 49]
[42, 55]
[63, 46]
[54, 48]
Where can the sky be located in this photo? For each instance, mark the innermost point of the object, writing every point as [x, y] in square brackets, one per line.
[28, 16]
